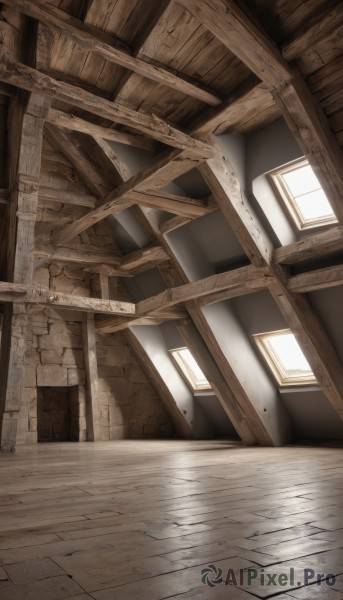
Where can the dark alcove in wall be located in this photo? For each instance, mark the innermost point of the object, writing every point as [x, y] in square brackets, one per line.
[58, 414]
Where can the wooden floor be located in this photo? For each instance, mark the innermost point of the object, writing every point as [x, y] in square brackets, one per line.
[140, 520]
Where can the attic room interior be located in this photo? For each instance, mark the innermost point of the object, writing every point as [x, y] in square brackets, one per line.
[171, 360]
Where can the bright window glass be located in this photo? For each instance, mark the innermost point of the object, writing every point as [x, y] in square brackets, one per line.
[285, 358]
[190, 369]
[303, 195]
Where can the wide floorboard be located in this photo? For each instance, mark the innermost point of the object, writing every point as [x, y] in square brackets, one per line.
[136, 520]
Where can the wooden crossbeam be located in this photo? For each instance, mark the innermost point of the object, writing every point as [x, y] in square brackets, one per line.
[73, 123]
[197, 289]
[26, 294]
[136, 259]
[314, 246]
[50, 254]
[159, 172]
[316, 280]
[115, 324]
[65, 197]
[32, 80]
[300, 109]
[100, 43]
[185, 207]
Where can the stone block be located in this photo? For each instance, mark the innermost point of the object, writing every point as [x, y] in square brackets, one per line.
[52, 376]
[73, 357]
[76, 377]
[51, 357]
[30, 379]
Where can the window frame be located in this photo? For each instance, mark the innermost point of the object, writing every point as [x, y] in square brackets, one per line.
[283, 377]
[186, 371]
[290, 202]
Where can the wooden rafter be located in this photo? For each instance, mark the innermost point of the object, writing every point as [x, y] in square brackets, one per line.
[32, 80]
[316, 280]
[313, 246]
[296, 309]
[301, 111]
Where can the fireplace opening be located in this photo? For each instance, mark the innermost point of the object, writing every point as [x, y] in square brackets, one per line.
[58, 418]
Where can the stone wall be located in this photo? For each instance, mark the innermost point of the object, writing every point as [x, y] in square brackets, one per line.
[129, 406]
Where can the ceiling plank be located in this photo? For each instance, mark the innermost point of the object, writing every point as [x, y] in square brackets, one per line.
[93, 40]
[316, 280]
[29, 79]
[314, 246]
[318, 28]
[300, 109]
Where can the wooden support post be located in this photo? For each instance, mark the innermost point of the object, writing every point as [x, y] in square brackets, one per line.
[89, 350]
[25, 127]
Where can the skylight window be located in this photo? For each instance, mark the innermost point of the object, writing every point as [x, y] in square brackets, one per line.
[303, 195]
[190, 369]
[285, 358]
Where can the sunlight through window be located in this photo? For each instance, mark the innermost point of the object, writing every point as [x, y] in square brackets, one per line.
[303, 196]
[285, 358]
[190, 369]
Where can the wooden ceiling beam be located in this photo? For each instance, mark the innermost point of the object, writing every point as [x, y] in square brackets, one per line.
[245, 276]
[300, 109]
[160, 171]
[46, 194]
[71, 122]
[295, 307]
[183, 206]
[314, 246]
[101, 44]
[32, 80]
[174, 274]
[316, 280]
[28, 294]
[136, 259]
[115, 324]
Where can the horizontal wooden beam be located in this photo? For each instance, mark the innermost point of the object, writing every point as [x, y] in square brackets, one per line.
[114, 265]
[51, 254]
[136, 259]
[185, 207]
[115, 324]
[174, 223]
[316, 280]
[314, 246]
[25, 294]
[74, 123]
[66, 197]
[244, 276]
[95, 41]
[29, 79]
[159, 172]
